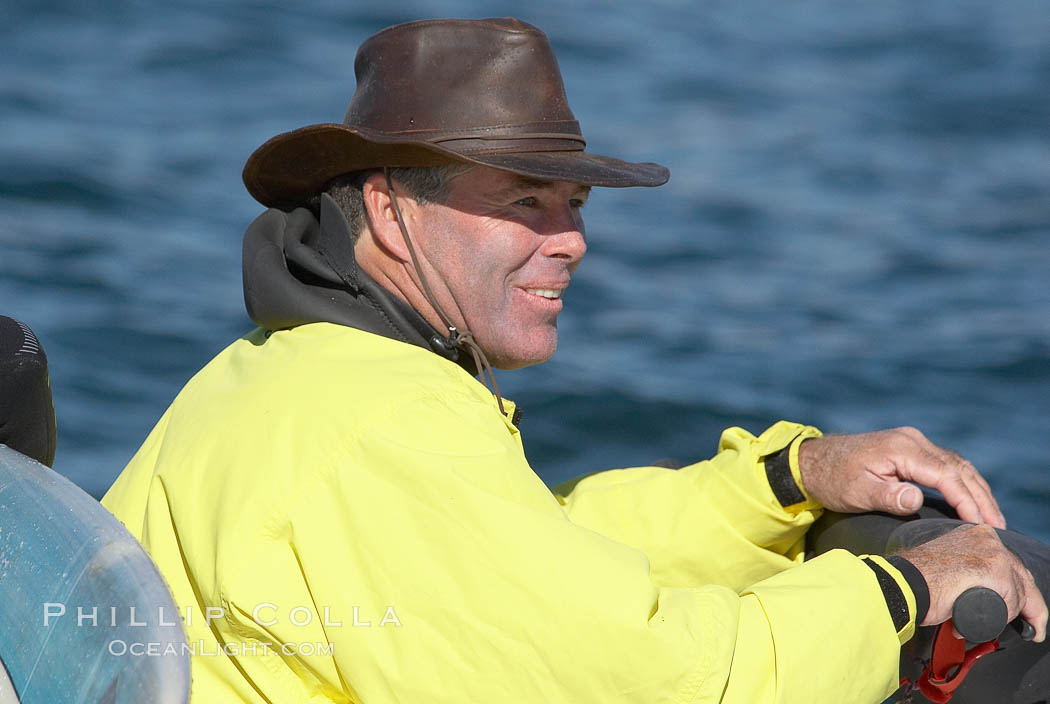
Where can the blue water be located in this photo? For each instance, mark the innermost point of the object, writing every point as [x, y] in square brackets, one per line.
[856, 233]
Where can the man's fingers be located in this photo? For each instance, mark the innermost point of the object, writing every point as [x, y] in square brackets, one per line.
[982, 496]
[958, 481]
[979, 490]
[955, 492]
[866, 472]
[1034, 610]
[892, 496]
[980, 480]
[909, 499]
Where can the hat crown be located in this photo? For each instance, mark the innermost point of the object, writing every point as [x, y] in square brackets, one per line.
[443, 79]
[435, 92]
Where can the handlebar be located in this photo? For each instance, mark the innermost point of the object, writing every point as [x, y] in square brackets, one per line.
[979, 615]
[881, 534]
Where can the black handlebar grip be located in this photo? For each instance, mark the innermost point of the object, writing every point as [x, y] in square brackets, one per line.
[979, 614]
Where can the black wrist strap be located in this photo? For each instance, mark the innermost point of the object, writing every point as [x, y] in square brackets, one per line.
[918, 585]
[896, 602]
[781, 480]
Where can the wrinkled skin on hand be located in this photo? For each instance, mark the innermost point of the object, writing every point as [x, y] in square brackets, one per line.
[879, 472]
[973, 556]
[873, 471]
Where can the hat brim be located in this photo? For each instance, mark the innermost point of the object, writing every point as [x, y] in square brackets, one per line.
[295, 166]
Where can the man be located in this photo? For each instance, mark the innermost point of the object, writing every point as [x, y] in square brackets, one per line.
[346, 514]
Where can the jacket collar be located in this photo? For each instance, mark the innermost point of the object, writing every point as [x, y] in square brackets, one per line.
[299, 268]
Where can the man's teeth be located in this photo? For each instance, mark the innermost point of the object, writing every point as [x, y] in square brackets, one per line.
[545, 292]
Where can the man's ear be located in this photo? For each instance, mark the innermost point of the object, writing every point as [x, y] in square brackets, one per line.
[382, 219]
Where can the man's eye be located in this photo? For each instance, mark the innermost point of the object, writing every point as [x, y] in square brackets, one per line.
[527, 202]
[577, 203]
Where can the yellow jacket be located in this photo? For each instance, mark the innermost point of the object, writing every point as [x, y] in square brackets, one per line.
[363, 525]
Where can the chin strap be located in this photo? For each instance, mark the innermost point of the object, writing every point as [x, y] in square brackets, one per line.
[456, 337]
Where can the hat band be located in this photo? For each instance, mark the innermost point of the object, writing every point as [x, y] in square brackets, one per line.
[543, 128]
[474, 146]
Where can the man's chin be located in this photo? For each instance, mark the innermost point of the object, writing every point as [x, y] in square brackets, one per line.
[519, 364]
[523, 358]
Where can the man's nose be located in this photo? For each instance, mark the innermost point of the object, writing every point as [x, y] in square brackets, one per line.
[568, 240]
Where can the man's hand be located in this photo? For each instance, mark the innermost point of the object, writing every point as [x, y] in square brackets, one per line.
[973, 556]
[871, 471]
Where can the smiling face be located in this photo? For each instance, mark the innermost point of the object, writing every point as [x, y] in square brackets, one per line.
[502, 249]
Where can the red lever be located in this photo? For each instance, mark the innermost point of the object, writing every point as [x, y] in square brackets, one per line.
[950, 661]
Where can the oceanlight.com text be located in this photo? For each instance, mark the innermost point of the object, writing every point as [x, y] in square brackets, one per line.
[200, 648]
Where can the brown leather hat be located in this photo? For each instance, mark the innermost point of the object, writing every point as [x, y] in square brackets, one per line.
[445, 91]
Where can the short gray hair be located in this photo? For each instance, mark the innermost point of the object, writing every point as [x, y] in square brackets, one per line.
[427, 184]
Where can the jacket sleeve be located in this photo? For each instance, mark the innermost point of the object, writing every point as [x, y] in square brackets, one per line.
[430, 527]
[746, 504]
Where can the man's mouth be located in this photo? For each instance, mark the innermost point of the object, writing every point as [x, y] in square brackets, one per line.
[544, 292]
